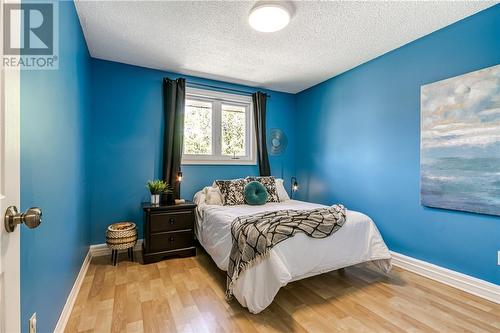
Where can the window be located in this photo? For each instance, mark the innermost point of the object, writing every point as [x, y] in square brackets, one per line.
[218, 128]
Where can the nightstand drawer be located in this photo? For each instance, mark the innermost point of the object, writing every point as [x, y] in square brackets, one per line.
[171, 241]
[179, 220]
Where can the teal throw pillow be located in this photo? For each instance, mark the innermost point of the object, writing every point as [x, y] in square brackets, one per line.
[255, 193]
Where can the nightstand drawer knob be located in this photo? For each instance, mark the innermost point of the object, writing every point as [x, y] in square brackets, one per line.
[172, 220]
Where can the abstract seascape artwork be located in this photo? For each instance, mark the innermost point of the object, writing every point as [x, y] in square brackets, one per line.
[460, 142]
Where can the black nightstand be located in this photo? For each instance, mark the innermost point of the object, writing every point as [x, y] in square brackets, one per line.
[168, 231]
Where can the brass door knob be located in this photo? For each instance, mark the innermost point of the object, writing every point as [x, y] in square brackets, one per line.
[32, 218]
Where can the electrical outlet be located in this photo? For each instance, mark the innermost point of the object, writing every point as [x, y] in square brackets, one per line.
[33, 323]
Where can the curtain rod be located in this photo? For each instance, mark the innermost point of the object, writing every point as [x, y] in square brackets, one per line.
[203, 85]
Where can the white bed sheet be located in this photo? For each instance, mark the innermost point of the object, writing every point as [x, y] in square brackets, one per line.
[293, 259]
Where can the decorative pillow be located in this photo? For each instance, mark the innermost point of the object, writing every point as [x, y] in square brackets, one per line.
[280, 189]
[213, 196]
[270, 184]
[255, 193]
[232, 191]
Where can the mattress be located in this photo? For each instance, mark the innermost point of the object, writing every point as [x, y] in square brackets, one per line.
[356, 242]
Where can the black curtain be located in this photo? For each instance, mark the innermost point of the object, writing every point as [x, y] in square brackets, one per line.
[259, 109]
[174, 92]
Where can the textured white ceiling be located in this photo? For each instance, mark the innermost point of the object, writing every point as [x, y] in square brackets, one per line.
[213, 39]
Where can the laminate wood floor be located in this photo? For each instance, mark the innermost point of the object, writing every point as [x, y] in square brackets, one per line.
[187, 295]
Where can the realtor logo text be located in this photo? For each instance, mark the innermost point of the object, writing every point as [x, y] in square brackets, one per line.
[30, 35]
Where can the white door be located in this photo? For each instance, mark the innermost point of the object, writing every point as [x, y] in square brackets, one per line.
[10, 305]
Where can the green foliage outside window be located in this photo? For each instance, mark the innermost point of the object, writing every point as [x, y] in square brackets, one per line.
[198, 128]
[233, 131]
[201, 115]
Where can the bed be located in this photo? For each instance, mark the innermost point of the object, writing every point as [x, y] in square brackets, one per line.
[356, 242]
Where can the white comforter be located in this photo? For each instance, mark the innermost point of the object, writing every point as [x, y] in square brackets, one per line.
[293, 259]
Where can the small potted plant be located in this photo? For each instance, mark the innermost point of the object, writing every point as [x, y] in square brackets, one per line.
[156, 188]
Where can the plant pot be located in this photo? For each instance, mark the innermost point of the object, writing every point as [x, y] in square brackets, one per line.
[155, 199]
[167, 199]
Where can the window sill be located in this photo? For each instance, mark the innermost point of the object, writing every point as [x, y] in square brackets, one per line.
[218, 162]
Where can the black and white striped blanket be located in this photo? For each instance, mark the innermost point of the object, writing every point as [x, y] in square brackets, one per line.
[254, 235]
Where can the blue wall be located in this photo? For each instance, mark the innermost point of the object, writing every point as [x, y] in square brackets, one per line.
[126, 142]
[360, 137]
[54, 111]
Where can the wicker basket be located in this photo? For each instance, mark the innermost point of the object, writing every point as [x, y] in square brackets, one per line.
[121, 236]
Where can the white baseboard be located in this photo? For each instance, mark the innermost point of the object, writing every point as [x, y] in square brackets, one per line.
[70, 301]
[467, 283]
[99, 250]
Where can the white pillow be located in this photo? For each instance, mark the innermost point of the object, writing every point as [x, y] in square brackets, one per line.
[280, 188]
[213, 196]
[199, 197]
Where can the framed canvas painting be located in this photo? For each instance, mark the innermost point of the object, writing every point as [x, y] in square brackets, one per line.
[460, 142]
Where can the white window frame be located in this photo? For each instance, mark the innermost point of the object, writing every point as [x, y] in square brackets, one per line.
[218, 98]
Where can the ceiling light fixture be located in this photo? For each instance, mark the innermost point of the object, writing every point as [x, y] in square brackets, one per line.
[269, 16]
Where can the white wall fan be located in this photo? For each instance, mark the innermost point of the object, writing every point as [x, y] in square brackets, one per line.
[277, 141]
